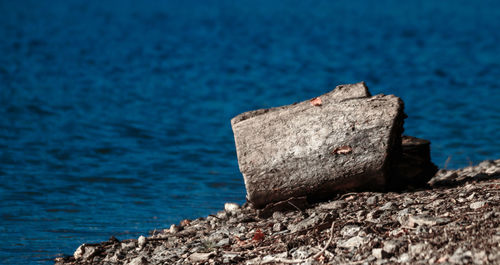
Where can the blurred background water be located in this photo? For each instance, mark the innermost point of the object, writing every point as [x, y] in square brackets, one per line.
[114, 116]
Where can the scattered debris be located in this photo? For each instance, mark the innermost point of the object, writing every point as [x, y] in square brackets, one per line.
[336, 232]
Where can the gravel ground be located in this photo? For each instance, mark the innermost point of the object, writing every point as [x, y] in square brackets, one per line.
[455, 220]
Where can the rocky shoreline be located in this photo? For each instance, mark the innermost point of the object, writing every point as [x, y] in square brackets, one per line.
[454, 220]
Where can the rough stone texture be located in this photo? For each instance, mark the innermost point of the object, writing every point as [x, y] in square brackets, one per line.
[414, 167]
[344, 140]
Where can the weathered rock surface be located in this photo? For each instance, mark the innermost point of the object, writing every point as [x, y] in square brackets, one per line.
[454, 221]
[342, 140]
[414, 167]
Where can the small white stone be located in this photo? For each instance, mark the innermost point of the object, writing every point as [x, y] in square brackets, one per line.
[231, 207]
[278, 215]
[477, 205]
[277, 227]
[404, 258]
[141, 241]
[353, 242]
[173, 229]
[379, 253]
[79, 252]
[391, 246]
[492, 171]
[84, 252]
[350, 230]
[200, 257]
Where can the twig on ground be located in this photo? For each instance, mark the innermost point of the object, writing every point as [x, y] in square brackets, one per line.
[327, 243]
[300, 210]
[294, 261]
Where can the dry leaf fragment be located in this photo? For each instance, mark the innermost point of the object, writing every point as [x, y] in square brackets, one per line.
[343, 150]
[258, 236]
[316, 101]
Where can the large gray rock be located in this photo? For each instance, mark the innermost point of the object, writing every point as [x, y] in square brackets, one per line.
[342, 140]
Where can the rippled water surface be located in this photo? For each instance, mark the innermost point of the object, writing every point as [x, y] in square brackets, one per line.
[114, 116]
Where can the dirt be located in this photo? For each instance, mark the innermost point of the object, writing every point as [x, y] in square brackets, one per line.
[453, 220]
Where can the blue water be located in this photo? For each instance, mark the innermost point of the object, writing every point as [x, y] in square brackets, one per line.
[114, 116]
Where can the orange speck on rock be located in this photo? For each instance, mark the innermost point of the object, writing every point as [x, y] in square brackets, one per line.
[343, 150]
[316, 101]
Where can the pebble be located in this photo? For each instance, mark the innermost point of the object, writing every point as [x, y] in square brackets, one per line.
[223, 242]
[435, 204]
[372, 200]
[141, 241]
[306, 223]
[391, 246]
[200, 257]
[480, 257]
[461, 257]
[360, 215]
[231, 207]
[408, 201]
[223, 215]
[301, 253]
[373, 215]
[387, 206]
[229, 257]
[488, 215]
[492, 171]
[353, 242]
[88, 252]
[173, 229]
[404, 258]
[443, 175]
[278, 216]
[277, 227]
[79, 252]
[379, 253]
[417, 249]
[138, 261]
[128, 246]
[112, 259]
[477, 205]
[350, 230]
